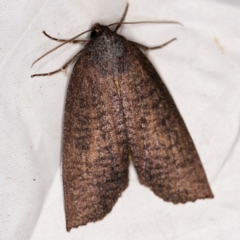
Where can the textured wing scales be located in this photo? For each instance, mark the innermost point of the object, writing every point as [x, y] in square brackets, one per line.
[95, 162]
[163, 152]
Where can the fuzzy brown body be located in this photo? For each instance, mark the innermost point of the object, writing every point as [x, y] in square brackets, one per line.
[116, 104]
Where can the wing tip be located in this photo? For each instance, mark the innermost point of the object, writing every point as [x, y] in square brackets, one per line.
[188, 198]
[75, 223]
[184, 196]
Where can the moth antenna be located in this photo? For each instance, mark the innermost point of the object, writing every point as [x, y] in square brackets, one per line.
[60, 46]
[65, 40]
[140, 22]
[145, 48]
[122, 19]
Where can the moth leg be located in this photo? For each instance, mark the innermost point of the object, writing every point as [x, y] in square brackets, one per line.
[145, 48]
[123, 17]
[64, 40]
[63, 68]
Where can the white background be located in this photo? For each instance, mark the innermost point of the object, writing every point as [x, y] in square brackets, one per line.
[201, 70]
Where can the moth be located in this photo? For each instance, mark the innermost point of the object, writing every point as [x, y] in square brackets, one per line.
[118, 108]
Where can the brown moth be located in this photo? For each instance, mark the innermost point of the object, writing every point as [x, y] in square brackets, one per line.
[117, 105]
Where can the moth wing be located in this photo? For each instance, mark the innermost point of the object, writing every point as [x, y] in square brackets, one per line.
[95, 160]
[163, 152]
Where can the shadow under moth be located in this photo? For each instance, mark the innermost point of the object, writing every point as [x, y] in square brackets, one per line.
[118, 108]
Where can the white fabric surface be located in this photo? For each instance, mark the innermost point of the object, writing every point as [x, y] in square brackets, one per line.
[201, 70]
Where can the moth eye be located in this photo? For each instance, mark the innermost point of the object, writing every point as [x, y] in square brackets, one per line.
[93, 33]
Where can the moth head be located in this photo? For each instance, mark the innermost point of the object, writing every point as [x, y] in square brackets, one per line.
[97, 29]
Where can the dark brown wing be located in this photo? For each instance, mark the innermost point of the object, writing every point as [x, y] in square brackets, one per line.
[95, 161]
[163, 152]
